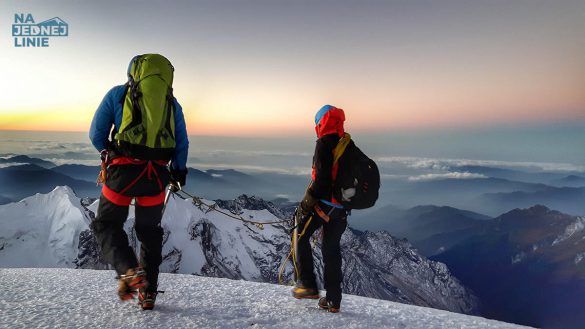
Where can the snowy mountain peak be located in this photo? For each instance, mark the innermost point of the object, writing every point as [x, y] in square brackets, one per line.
[64, 190]
[250, 203]
[42, 230]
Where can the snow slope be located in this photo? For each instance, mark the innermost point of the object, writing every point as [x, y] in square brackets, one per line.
[67, 298]
[42, 230]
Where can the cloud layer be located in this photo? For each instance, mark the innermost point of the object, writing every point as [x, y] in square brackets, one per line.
[450, 175]
[453, 164]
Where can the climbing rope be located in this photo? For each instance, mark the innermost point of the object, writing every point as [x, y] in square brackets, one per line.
[260, 225]
[199, 203]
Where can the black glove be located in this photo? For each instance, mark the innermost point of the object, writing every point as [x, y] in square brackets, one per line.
[307, 205]
[178, 178]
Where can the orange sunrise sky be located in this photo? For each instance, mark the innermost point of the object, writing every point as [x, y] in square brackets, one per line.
[265, 67]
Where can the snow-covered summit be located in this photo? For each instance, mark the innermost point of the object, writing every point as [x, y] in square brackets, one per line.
[66, 298]
[42, 230]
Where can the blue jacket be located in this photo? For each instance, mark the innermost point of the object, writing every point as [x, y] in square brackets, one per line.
[110, 113]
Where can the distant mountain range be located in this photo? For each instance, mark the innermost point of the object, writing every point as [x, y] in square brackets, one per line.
[530, 176]
[24, 180]
[499, 191]
[527, 266]
[80, 172]
[570, 181]
[477, 185]
[23, 176]
[569, 199]
[480, 195]
[23, 159]
[424, 226]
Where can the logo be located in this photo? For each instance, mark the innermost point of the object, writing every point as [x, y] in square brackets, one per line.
[27, 33]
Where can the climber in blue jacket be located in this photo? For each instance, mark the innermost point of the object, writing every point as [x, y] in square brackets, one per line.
[138, 129]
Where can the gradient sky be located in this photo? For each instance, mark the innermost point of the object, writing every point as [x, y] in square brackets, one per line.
[265, 67]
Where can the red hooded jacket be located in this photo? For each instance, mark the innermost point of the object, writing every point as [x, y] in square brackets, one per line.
[331, 123]
[329, 130]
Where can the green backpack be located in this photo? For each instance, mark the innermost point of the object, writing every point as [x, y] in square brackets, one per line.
[148, 127]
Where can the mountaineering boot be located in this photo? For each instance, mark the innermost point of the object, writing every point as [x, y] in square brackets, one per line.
[300, 291]
[134, 279]
[146, 299]
[328, 305]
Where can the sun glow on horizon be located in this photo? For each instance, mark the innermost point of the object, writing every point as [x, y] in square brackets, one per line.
[257, 71]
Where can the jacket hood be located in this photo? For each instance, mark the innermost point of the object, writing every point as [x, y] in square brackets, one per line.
[329, 120]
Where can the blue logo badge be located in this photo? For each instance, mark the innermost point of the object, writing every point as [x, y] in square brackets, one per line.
[27, 33]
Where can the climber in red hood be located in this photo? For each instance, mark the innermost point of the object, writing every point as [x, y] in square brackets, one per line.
[329, 120]
[320, 209]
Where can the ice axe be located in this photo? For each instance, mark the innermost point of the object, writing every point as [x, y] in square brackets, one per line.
[294, 241]
[171, 188]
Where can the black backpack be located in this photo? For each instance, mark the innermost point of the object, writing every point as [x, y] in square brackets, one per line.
[358, 179]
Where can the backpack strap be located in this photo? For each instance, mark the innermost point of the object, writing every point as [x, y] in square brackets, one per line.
[170, 110]
[340, 148]
[123, 97]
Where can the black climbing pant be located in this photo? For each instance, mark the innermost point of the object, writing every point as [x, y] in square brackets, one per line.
[330, 248]
[108, 226]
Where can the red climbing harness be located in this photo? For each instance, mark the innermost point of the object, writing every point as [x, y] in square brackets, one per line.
[120, 199]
